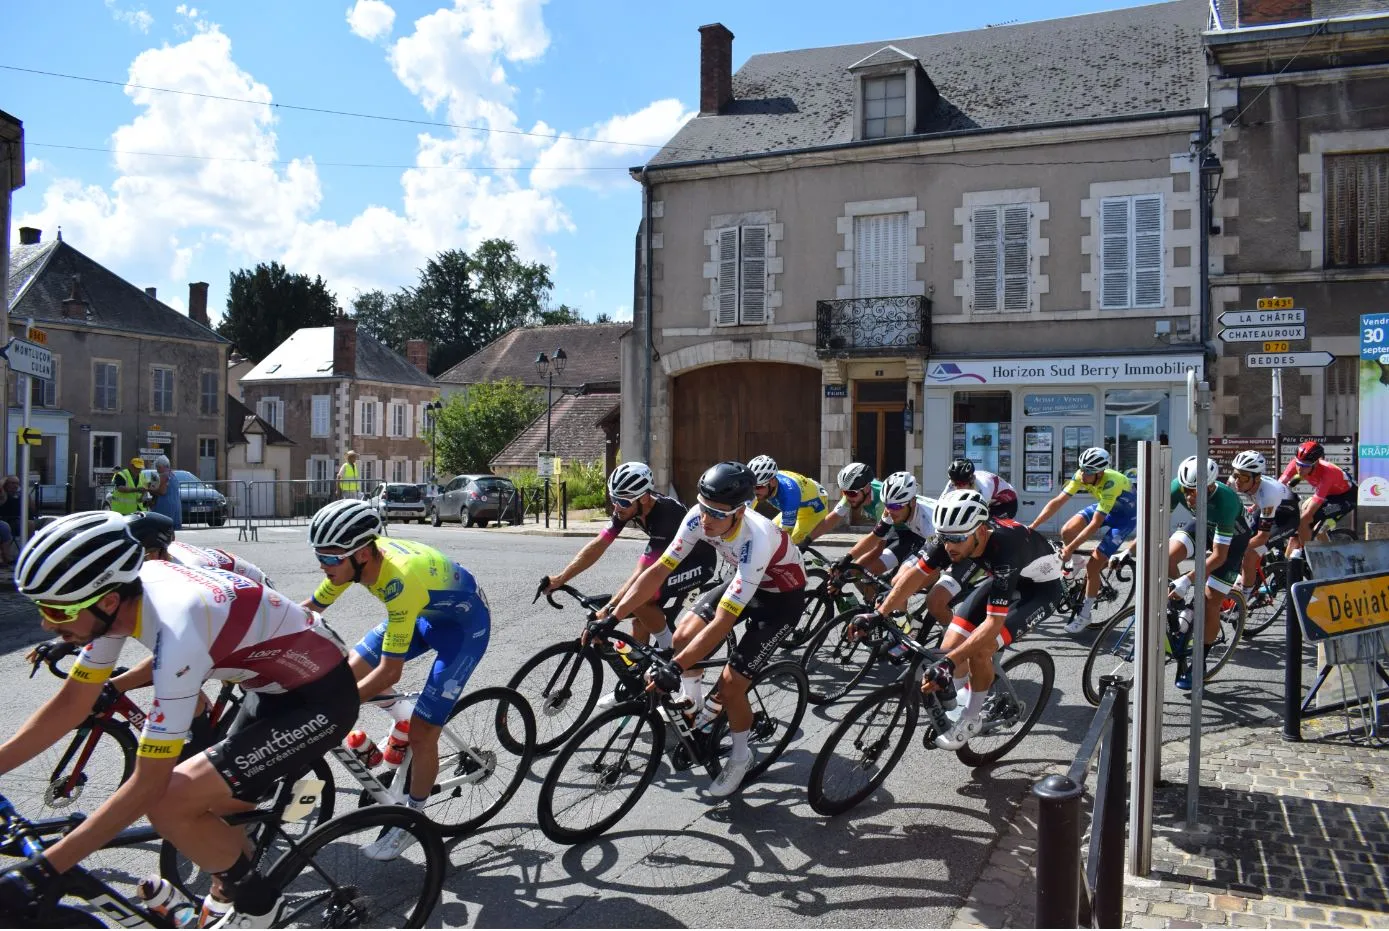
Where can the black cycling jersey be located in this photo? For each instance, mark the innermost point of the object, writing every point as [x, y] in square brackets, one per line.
[661, 525]
[1014, 555]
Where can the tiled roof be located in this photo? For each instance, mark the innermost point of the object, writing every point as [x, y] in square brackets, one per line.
[591, 349]
[1321, 9]
[41, 278]
[575, 434]
[308, 354]
[1146, 59]
[239, 420]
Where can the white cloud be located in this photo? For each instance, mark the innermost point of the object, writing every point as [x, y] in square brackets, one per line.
[570, 161]
[136, 19]
[623, 313]
[35, 165]
[371, 19]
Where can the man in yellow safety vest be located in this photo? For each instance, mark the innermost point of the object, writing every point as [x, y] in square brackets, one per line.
[128, 496]
[349, 485]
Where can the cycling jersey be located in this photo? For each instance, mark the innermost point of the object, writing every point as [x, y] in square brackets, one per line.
[1272, 504]
[872, 508]
[201, 557]
[760, 551]
[1225, 519]
[1326, 479]
[992, 488]
[917, 522]
[802, 503]
[1113, 491]
[661, 525]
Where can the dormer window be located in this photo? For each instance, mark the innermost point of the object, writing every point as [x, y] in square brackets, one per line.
[893, 96]
[885, 106]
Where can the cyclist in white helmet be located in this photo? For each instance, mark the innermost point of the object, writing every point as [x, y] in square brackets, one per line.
[1274, 514]
[857, 489]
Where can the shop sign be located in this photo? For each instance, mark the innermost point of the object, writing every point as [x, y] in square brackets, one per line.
[1067, 371]
[1374, 408]
[1070, 405]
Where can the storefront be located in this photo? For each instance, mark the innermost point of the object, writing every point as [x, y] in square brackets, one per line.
[1029, 419]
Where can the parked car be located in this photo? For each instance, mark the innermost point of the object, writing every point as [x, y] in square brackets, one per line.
[202, 503]
[477, 500]
[398, 501]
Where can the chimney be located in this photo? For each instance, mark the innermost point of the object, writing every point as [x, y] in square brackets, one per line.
[417, 351]
[74, 307]
[30, 235]
[152, 292]
[715, 68]
[197, 303]
[1269, 12]
[344, 346]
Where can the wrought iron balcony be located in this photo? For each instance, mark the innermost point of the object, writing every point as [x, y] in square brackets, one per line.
[873, 326]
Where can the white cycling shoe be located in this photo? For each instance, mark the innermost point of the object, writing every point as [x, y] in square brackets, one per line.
[732, 775]
[963, 731]
[235, 919]
[1078, 624]
[390, 845]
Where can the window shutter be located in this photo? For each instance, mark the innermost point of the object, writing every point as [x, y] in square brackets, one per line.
[1114, 252]
[1015, 264]
[986, 259]
[880, 255]
[728, 277]
[380, 418]
[753, 275]
[358, 417]
[1357, 208]
[1147, 251]
[280, 415]
[409, 419]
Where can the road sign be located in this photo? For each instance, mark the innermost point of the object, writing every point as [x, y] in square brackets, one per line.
[1274, 303]
[1262, 317]
[30, 436]
[26, 358]
[158, 436]
[1335, 607]
[1223, 449]
[1277, 346]
[1254, 334]
[37, 336]
[1288, 360]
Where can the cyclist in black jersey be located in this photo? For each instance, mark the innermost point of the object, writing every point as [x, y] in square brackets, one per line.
[633, 500]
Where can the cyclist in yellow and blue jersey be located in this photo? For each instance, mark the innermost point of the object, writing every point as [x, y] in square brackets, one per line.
[1115, 508]
[432, 603]
[803, 502]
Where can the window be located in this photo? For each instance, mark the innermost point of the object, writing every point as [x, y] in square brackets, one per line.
[1357, 209]
[400, 470]
[366, 418]
[272, 411]
[162, 385]
[42, 392]
[1341, 401]
[255, 447]
[368, 470]
[321, 474]
[322, 424]
[106, 383]
[885, 106]
[1132, 416]
[399, 424]
[1131, 252]
[1000, 258]
[881, 268]
[105, 457]
[983, 430]
[207, 394]
[742, 279]
[207, 458]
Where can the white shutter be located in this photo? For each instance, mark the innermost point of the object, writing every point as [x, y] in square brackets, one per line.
[986, 258]
[880, 255]
[1114, 252]
[728, 277]
[753, 275]
[358, 416]
[1147, 251]
[380, 418]
[280, 415]
[1015, 265]
[409, 419]
[421, 419]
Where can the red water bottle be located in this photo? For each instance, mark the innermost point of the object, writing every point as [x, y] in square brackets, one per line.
[365, 748]
[396, 744]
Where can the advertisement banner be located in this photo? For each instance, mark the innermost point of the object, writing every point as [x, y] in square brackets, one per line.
[1374, 409]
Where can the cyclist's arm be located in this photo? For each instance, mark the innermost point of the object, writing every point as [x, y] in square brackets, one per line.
[591, 552]
[324, 596]
[910, 579]
[134, 799]
[1050, 508]
[870, 544]
[137, 678]
[54, 718]
[381, 679]
[831, 521]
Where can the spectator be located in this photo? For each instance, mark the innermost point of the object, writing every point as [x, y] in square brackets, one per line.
[9, 518]
[127, 496]
[349, 479]
[166, 493]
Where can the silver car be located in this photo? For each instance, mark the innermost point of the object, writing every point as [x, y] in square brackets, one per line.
[476, 500]
[398, 501]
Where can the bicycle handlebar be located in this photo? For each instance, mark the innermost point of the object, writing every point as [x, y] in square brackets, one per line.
[50, 653]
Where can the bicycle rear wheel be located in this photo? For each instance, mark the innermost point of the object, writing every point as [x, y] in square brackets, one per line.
[1269, 599]
[1110, 655]
[1015, 702]
[861, 752]
[778, 696]
[562, 683]
[1116, 594]
[833, 663]
[478, 770]
[1232, 617]
[328, 882]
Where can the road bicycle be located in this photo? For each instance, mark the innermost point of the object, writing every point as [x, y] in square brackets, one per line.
[611, 760]
[868, 743]
[825, 596]
[1275, 574]
[1116, 587]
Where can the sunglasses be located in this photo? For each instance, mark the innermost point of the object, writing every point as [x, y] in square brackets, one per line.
[66, 613]
[954, 537]
[1303, 465]
[895, 507]
[715, 513]
[623, 503]
[326, 560]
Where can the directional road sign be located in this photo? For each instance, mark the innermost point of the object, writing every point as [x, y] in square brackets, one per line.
[1262, 317]
[28, 358]
[1257, 334]
[1288, 360]
[1334, 607]
[30, 436]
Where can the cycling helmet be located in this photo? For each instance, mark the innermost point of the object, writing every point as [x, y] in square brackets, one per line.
[899, 488]
[1095, 459]
[764, 469]
[854, 477]
[1250, 461]
[961, 470]
[345, 524]
[1188, 474]
[960, 510]
[728, 483]
[152, 529]
[630, 480]
[78, 557]
[1308, 453]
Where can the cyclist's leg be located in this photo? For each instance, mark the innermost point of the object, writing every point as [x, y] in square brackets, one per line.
[691, 626]
[1077, 523]
[366, 655]
[968, 615]
[458, 650]
[767, 619]
[1180, 546]
[1005, 507]
[1219, 583]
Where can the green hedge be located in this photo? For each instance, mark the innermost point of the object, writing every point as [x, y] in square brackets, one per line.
[586, 483]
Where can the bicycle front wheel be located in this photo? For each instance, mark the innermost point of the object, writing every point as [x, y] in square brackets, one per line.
[1110, 655]
[1269, 599]
[485, 752]
[861, 752]
[562, 683]
[833, 663]
[1015, 702]
[1233, 613]
[778, 697]
[1116, 594]
[87, 766]
[326, 880]
[819, 608]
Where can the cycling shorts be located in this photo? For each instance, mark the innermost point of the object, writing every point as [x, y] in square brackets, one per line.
[1032, 603]
[1336, 506]
[281, 736]
[1118, 526]
[1004, 506]
[458, 647]
[1284, 524]
[1225, 574]
[769, 617]
[901, 543]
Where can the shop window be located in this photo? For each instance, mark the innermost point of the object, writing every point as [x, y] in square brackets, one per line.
[1131, 417]
[983, 431]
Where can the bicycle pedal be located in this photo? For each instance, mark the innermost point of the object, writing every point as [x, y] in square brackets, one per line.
[680, 758]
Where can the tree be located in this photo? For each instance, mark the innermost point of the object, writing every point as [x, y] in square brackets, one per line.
[560, 315]
[477, 424]
[265, 305]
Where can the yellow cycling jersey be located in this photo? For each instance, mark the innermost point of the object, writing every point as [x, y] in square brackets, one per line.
[1108, 490]
[802, 503]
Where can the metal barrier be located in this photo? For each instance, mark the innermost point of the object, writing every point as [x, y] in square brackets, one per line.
[292, 502]
[50, 499]
[1090, 894]
[214, 504]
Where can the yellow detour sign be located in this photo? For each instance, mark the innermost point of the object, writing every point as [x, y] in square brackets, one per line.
[30, 436]
[1335, 607]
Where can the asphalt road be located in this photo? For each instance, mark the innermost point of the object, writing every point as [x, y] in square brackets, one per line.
[904, 858]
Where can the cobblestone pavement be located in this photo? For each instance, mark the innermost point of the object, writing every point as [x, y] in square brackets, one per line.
[1294, 836]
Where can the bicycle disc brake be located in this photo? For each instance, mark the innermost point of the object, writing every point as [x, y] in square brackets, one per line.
[53, 799]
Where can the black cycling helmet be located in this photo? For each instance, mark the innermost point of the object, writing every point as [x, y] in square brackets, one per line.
[152, 529]
[961, 470]
[728, 483]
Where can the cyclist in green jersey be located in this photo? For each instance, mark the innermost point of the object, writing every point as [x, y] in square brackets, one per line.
[858, 489]
[1227, 536]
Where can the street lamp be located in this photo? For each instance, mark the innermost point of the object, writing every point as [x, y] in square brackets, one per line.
[431, 413]
[548, 367]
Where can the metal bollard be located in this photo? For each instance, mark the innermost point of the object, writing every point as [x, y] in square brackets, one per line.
[1292, 658]
[1110, 819]
[1058, 852]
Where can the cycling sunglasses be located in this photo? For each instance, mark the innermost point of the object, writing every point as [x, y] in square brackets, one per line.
[623, 503]
[896, 507]
[954, 537]
[325, 559]
[715, 513]
[66, 613]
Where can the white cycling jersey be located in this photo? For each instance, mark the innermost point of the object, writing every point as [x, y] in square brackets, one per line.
[202, 557]
[1270, 494]
[760, 551]
[205, 624]
[992, 488]
[919, 521]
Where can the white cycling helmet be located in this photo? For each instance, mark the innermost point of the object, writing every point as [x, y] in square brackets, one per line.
[960, 510]
[899, 488]
[854, 476]
[77, 557]
[345, 524]
[764, 469]
[630, 480]
[1250, 461]
[1188, 473]
[1095, 459]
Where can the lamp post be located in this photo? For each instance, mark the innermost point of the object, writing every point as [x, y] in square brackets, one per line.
[431, 412]
[548, 367]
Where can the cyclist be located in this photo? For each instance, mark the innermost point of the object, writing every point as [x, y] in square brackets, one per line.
[634, 500]
[93, 586]
[1228, 536]
[1115, 508]
[803, 503]
[1333, 491]
[1274, 513]
[767, 593]
[156, 532]
[1023, 589]
[432, 603]
[1001, 497]
[858, 489]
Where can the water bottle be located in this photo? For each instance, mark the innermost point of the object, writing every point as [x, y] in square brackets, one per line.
[365, 748]
[1078, 562]
[158, 895]
[396, 744]
[1184, 620]
[624, 651]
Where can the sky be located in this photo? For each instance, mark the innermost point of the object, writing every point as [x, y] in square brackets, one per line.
[510, 118]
